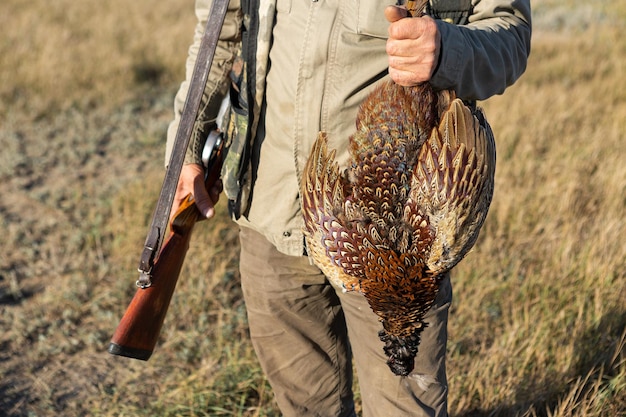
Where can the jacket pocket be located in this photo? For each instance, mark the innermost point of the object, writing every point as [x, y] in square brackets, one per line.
[371, 18]
[372, 22]
[283, 6]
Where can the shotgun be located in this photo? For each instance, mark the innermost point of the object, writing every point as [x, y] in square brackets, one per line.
[140, 326]
[159, 266]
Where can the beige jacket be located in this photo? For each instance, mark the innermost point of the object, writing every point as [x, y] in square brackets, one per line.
[325, 57]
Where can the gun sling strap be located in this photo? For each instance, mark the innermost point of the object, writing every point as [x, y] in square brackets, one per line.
[191, 107]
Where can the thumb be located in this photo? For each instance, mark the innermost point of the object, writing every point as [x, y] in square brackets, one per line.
[202, 198]
[395, 13]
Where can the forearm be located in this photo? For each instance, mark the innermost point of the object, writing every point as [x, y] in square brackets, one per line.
[489, 54]
[217, 82]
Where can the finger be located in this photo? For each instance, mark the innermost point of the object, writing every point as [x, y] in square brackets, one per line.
[413, 28]
[408, 78]
[183, 189]
[203, 200]
[174, 209]
[215, 191]
[395, 13]
[403, 78]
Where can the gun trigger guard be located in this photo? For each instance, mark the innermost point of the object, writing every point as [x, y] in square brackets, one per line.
[211, 148]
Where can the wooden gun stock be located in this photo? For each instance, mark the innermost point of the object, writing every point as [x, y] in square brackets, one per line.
[139, 328]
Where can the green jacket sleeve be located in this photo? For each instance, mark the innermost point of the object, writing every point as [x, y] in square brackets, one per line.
[217, 83]
[484, 57]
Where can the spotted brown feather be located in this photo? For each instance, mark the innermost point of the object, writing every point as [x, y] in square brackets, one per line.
[408, 208]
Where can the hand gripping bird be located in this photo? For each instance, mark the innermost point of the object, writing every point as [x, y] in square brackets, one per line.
[407, 209]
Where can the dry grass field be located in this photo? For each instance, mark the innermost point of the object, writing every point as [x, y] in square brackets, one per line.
[538, 324]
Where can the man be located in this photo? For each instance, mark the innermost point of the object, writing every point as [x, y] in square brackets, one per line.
[293, 68]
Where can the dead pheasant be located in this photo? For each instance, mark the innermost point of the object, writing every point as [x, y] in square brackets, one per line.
[406, 211]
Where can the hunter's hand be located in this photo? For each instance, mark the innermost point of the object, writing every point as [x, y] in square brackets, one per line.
[192, 181]
[413, 47]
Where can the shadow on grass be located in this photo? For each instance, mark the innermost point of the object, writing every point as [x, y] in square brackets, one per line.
[10, 292]
[13, 398]
[595, 353]
[12, 401]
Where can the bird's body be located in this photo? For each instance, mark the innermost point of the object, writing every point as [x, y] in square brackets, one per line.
[408, 208]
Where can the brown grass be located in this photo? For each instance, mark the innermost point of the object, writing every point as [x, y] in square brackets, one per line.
[538, 322]
[89, 54]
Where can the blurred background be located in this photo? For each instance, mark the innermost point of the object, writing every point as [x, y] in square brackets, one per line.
[538, 322]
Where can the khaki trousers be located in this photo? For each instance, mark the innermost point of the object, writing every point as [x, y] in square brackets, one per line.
[306, 332]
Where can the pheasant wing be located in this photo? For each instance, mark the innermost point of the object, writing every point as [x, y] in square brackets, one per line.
[330, 241]
[453, 183]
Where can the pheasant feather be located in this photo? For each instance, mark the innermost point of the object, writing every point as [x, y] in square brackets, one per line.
[408, 208]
